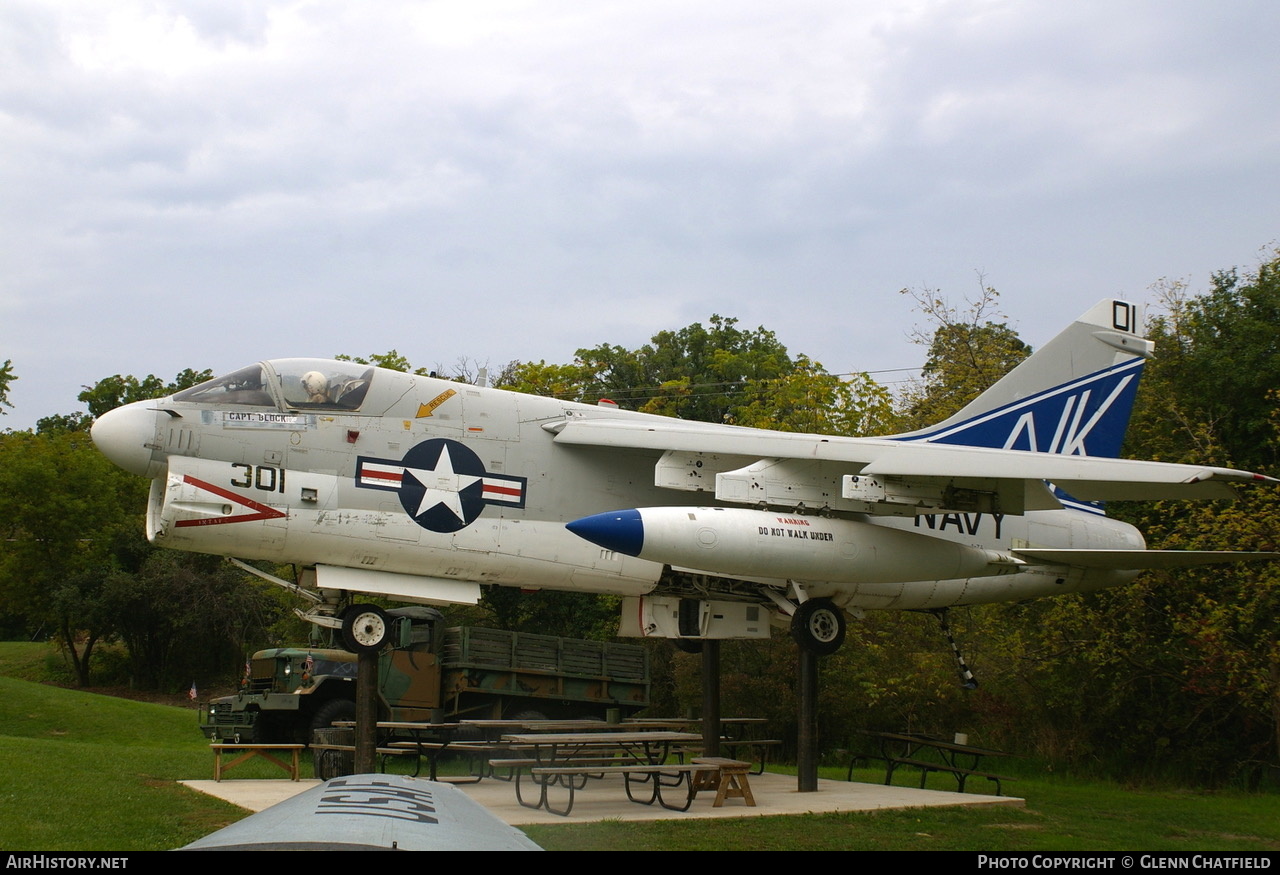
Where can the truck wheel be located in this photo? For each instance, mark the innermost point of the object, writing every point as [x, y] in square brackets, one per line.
[818, 626]
[331, 712]
[530, 716]
[365, 628]
[265, 730]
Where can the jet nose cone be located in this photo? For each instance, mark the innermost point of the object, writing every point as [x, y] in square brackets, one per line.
[126, 436]
[618, 530]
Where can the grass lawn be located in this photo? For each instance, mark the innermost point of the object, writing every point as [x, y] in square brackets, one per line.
[85, 772]
[1061, 815]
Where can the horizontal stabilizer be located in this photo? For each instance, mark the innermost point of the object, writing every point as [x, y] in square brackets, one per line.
[1138, 560]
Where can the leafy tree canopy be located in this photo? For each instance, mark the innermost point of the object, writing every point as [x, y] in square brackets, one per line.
[698, 372]
[64, 506]
[1210, 391]
[713, 373]
[7, 376]
[116, 391]
[968, 352]
[391, 360]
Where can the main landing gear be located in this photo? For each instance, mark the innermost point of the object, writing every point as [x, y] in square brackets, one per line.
[365, 628]
[818, 626]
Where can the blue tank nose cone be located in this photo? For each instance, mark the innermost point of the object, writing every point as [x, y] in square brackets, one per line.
[619, 530]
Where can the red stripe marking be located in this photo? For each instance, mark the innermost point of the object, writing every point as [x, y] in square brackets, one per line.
[264, 511]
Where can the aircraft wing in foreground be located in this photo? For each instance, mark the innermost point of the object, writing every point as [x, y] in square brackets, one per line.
[371, 813]
[423, 490]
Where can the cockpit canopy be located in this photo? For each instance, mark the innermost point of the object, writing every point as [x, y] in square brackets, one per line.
[295, 384]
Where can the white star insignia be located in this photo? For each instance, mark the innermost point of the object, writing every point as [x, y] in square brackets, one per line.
[442, 485]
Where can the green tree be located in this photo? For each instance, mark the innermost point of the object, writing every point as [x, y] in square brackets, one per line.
[59, 423]
[183, 615]
[1177, 673]
[1209, 396]
[570, 382]
[117, 390]
[72, 544]
[715, 373]
[63, 507]
[7, 376]
[1210, 389]
[698, 372]
[547, 612]
[808, 399]
[391, 360]
[968, 352]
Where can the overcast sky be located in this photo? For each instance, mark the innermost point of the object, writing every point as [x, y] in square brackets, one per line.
[207, 183]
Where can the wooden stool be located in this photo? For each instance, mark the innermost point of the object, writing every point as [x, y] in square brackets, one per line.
[728, 778]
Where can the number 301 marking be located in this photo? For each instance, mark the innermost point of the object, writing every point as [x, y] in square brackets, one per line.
[262, 477]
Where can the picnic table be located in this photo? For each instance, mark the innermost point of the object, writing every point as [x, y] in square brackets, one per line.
[930, 754]
[569, 759]
[736, 733]
[403, 738]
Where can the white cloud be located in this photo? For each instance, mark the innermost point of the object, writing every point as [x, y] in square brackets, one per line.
[518, 179]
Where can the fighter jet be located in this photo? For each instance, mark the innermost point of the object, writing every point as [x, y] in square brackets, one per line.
[423, 490]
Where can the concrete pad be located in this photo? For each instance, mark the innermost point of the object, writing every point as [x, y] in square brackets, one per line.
[606, 799]
[253, 795]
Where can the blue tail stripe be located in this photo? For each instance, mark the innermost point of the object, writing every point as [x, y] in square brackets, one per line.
[1084, 417]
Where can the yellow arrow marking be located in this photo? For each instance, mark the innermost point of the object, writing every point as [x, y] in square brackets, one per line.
[430, 407]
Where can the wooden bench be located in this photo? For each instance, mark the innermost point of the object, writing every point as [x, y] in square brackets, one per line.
[726, 776]
[248, 751]
[760, 746]
[728, 779]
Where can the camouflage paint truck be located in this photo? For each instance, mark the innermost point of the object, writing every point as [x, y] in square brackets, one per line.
[435, 674]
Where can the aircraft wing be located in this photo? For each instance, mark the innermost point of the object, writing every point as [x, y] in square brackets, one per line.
[1137, 560]
[1004, 472]
[1085, 477]
[371, 812]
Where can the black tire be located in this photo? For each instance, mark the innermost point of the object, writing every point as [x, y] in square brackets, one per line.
[332, 763]
[266, 730]
[365, 628]
[331, 712]
[687, 645]
[818, 626]
[529, 715]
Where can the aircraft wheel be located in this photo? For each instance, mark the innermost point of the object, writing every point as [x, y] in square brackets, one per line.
[365, 628]
[687, 645]
[818, 626]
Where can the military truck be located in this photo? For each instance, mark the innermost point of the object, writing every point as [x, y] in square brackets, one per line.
[433, 674]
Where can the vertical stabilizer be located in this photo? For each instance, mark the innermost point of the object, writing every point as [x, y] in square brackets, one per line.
[1072, 396]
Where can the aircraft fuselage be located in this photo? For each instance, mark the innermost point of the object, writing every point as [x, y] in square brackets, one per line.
[452, 482]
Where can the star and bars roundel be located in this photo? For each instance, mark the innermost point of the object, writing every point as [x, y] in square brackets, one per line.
[442, 484]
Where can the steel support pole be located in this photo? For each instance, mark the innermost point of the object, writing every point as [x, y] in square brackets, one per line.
[366, 713]
[807, 731]
[711, 697]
